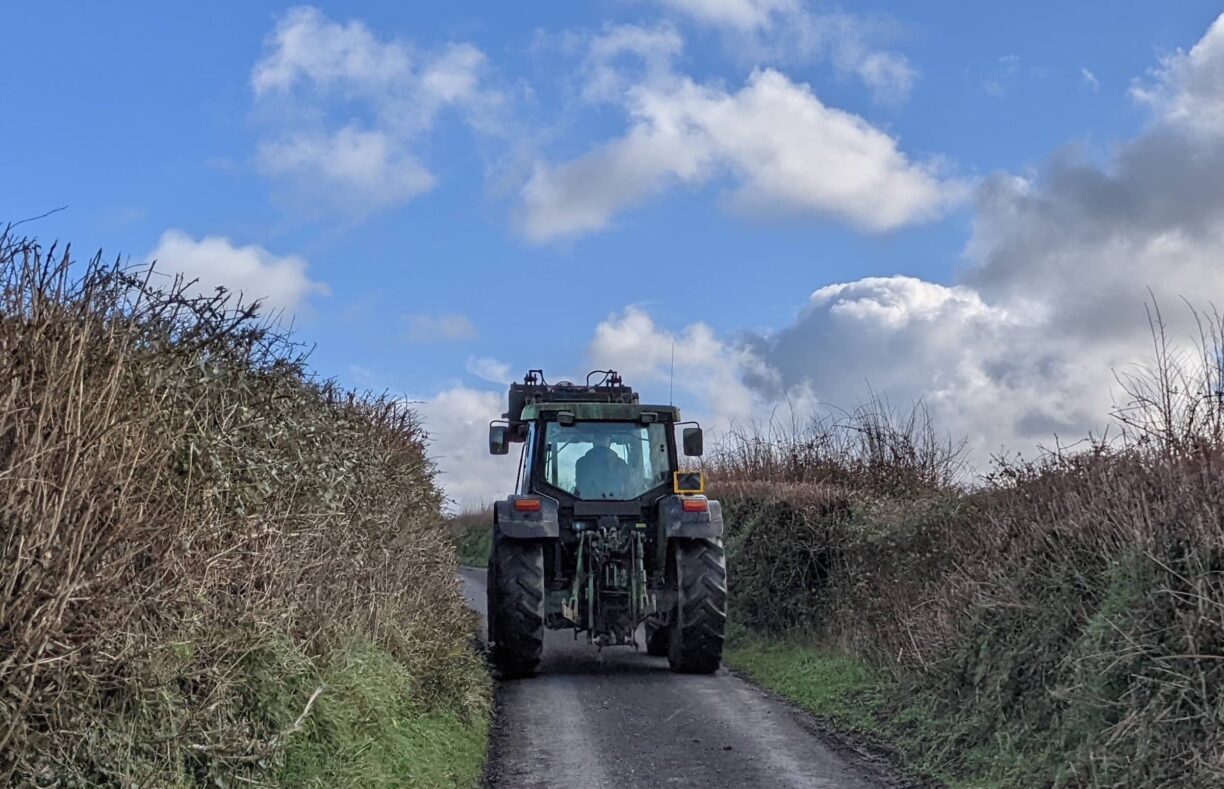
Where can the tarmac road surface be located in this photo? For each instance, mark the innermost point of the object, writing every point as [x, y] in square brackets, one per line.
[624, 720]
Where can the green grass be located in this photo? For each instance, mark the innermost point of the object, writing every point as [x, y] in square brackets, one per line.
[474, 544]
[844, 691]
[929, 739]
[368, 727]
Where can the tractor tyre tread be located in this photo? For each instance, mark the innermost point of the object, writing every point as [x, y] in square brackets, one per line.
[516, 607]
[700, 618]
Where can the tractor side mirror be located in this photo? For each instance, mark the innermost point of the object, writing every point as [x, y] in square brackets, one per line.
[499, 439]
[693, 442]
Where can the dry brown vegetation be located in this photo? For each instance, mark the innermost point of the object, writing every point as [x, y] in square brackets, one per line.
[187, 516]
[1068, 610]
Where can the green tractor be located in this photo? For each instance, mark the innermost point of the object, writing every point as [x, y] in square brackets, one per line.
[604, 532]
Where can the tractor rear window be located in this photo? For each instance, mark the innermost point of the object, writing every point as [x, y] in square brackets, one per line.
[606, 460]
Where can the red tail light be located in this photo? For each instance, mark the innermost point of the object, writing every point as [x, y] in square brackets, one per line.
[527, 505]
[695, 505]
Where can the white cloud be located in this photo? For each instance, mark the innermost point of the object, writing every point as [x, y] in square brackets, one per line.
[1051, 306]
[1188, 87]
[781, 31]
[706, 369]
[583, 195]
[489, 369]
[1090, 80]
[361, 170]
[439, 328]
[279, 282]
[457, 421]
[307, 47]
[345, 109]
[1022, 347]
[986, 371]
[454, 77]
[1026, 344]
[889, 75]
[608, 68]
[786, 151]
[315, 58]
[744, 15]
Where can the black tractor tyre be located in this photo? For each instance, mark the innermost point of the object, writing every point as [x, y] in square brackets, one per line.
[516, 607]
[658, 639]
[700, 618]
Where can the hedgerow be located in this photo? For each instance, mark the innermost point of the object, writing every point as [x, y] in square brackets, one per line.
[192, 526]
[1065, 613]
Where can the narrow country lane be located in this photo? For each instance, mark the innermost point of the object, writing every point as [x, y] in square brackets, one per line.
[625, 720]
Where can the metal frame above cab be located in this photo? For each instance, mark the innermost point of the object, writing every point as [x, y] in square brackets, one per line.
[601, 412]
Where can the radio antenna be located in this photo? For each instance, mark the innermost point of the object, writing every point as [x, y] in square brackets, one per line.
[671, 378]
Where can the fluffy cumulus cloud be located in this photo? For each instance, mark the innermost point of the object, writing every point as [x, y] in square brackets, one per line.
[1083, 243]
[308, 47]
[1186, 89]
[694, 361]
[782, 31]
[781, 147]
[457, 421]
[280, 282]
[1026, 344]
[344, 109]
[990, 371]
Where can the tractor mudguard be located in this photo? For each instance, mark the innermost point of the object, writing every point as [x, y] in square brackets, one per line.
[539, 525]
[690, 525]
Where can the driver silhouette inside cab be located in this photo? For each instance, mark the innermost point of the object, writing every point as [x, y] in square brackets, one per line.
[601, 473]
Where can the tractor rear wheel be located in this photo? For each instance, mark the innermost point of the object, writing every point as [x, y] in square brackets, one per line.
[700, 618]
[516, 606]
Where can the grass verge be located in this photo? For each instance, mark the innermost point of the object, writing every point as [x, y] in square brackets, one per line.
[474, 545]
[928, 739]
[370, 729]
[471, 532]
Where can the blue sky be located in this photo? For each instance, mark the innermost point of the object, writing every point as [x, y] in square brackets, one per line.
[459, 241]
